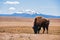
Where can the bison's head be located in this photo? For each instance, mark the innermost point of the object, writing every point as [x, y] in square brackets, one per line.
[35, 29]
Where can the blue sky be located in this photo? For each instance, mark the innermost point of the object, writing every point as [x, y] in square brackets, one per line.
[49, 7]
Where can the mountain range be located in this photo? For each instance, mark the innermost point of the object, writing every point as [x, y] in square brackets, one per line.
[30, 15]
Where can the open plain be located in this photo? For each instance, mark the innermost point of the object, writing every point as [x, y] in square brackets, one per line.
[18, 28]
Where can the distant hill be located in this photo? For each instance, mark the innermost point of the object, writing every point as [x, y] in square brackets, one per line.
[29, 15]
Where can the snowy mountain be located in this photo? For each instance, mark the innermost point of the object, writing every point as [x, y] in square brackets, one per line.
[30, 15]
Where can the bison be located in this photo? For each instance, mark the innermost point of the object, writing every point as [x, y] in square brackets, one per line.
[40, 22]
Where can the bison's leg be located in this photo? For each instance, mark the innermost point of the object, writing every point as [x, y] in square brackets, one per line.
[35, 30]
[47, 29]
[47, 25]
[39, 29]
[43, 29]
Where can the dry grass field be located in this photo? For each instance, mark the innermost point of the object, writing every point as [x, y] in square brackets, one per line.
[15, 28]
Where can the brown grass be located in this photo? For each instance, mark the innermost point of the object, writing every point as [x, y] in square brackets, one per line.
[24, 25]
[15, 28]
[29, 30]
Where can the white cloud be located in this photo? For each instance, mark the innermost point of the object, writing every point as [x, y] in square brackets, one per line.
[29, 11]
[12, 8]
[10, 2]
[20, 12]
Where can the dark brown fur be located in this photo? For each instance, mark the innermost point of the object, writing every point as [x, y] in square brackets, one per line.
[40, 22]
